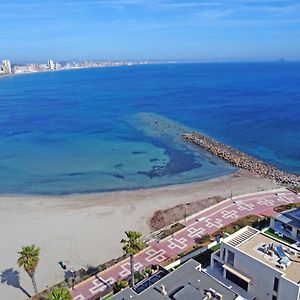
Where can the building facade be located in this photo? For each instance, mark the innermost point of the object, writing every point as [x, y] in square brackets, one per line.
[51, 64]
[6, 66]
[287, 223]
[263, 267]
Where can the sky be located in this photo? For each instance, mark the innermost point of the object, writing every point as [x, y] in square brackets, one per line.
[187, 30]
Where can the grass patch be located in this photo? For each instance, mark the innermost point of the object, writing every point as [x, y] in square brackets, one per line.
[252, 220]
[289, 206]
[285, 239]
[215, 248]
[107, 296]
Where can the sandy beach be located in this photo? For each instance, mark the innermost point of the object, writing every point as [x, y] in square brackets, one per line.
[87, 229]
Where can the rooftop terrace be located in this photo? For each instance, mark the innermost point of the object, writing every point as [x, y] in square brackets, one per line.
[269, 251]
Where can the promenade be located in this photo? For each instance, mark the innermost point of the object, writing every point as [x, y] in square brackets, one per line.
[204, 222]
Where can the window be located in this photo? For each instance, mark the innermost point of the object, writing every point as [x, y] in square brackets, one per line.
[230, 258]
[223, 254]
[237, 280]
[276, 282]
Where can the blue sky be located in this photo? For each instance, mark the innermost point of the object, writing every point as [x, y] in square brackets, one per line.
[204, 30]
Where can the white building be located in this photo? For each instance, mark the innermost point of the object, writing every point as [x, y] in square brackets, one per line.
[6, 67]
[261, 266]
[51, 64]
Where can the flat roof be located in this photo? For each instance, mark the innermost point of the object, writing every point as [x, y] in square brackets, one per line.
[185, 283]
[291, 217]
[254, 247]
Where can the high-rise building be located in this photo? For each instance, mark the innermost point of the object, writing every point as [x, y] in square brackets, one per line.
[6, 67]
[51, 65]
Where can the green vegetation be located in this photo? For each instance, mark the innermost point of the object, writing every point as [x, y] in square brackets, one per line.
[285, 239]
[204, 257]
[60, 294]
[138, 276]
[148, 272]
[215, 248]
[252, 220]
[119, 285]
[289, 206]
[205, 239]
[108, 296]
[131, 246]
[29, 257]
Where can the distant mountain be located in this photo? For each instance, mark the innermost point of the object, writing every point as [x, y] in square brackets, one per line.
[281, 60]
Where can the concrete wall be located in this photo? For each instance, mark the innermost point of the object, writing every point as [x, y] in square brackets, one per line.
[287, 290]
[262, 277]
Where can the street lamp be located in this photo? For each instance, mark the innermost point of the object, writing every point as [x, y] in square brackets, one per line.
[185, 210]
[73, 278]
[231, 195]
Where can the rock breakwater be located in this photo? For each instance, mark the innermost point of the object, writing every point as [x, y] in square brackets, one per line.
[242, 160]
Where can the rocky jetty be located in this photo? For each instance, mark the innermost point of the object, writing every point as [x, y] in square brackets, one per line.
[242, 160]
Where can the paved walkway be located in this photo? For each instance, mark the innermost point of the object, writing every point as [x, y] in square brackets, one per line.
[204, 222]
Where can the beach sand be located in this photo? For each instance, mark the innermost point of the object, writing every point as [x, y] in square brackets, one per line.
[87, 229]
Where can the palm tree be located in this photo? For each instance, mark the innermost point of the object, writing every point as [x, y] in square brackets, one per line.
[29, 258]
[132, 245]
[60, 294]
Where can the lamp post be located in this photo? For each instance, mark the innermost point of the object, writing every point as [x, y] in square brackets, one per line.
[231, 195]
[185, 211]
[73, 278]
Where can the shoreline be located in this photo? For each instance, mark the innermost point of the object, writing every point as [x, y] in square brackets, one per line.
[242, 160]
[77, 68]
[109, 191]
[87, 229]
[58, 70]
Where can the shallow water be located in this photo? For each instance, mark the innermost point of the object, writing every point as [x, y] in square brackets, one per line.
[86, 130]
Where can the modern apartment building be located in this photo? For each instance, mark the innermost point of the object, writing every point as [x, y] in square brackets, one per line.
[260, 265]
[287, 223]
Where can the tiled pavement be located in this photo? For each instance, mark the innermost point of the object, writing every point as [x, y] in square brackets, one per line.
[205, 222]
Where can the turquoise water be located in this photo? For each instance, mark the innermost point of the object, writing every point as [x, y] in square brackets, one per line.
[119, 128]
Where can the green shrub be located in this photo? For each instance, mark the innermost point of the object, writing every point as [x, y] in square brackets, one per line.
[120, 285]
[138, 276]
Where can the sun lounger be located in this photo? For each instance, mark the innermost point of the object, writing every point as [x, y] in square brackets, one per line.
[280, 251]
[285, 261]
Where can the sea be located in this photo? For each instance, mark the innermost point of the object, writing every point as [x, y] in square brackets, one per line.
[119, 128]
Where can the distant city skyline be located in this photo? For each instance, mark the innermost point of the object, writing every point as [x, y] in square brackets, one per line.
[187, 30]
